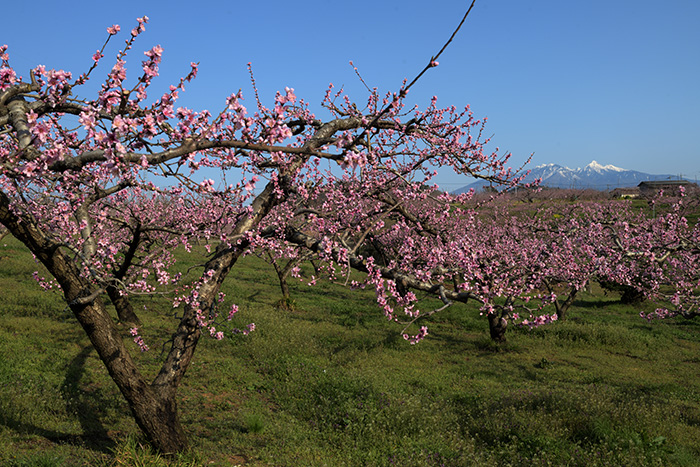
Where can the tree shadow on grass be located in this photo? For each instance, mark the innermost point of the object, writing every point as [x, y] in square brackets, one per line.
[594, 303]
[17, 425]
[85, 404]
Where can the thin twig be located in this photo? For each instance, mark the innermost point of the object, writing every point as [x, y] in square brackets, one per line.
[402, 93]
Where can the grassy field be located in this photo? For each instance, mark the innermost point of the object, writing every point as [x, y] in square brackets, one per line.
[332, 383]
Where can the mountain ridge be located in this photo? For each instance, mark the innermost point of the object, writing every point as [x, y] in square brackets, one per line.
[593, 176]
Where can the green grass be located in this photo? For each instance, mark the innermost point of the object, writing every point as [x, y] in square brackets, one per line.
[332, 383]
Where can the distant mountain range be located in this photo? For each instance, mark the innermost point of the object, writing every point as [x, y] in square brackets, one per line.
[594, 176]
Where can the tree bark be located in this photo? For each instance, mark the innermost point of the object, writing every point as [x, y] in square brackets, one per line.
[154, 407]
[563, 307]
[157, 416]
[497, 327]
[122, 305]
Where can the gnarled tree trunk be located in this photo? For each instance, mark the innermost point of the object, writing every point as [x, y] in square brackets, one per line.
[153, 405]
[563, 306]
[123, 306]
[497, 326]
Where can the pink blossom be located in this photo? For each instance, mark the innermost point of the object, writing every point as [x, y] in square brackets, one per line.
[422, 334]
[7, 77]
[207, 185]
[155, 53]
[250, 186]
[141, 27]
[138, 339]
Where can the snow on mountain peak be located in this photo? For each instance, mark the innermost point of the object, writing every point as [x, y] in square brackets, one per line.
[551, 165]
[593, 176]
[599, 168]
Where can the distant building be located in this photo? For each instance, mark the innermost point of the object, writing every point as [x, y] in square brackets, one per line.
[625, 193]
[653, 186]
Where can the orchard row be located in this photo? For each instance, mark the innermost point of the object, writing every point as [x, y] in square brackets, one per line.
[103, 191]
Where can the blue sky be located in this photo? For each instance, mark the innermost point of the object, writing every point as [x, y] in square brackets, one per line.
[616, 81]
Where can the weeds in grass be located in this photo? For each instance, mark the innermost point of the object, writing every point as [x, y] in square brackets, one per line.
[132, 453]
[254, 423]
[37, 460]
[286, 304]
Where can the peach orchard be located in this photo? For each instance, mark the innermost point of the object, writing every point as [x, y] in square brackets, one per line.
[104, 189]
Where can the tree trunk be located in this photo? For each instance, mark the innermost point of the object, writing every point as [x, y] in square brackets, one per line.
[631, 296]
[154, 406]
[125, 311]
[497, 327]
[283, 274]
[563, 307]
[157, 416]
[561, 311]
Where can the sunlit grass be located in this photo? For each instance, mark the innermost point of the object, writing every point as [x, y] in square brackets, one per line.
[332, 383]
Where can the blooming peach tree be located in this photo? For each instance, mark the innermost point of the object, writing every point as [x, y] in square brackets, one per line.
[103, 189]
[658, 256]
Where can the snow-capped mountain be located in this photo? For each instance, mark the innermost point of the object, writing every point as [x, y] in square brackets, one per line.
[594, 175]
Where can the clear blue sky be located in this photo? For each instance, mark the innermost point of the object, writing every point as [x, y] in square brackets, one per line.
[617, 81]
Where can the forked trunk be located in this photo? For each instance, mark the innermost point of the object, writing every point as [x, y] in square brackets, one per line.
[283, 274]
[497, 327]
[284, 286]
[123, 306]
[563, 307]
[154, 407]
[156, 414]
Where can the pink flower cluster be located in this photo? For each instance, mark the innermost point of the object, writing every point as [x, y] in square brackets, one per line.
[422, 334]
[139, 340]
[537, 321]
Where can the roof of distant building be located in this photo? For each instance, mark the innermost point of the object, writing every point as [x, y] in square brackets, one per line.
[660, 183]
